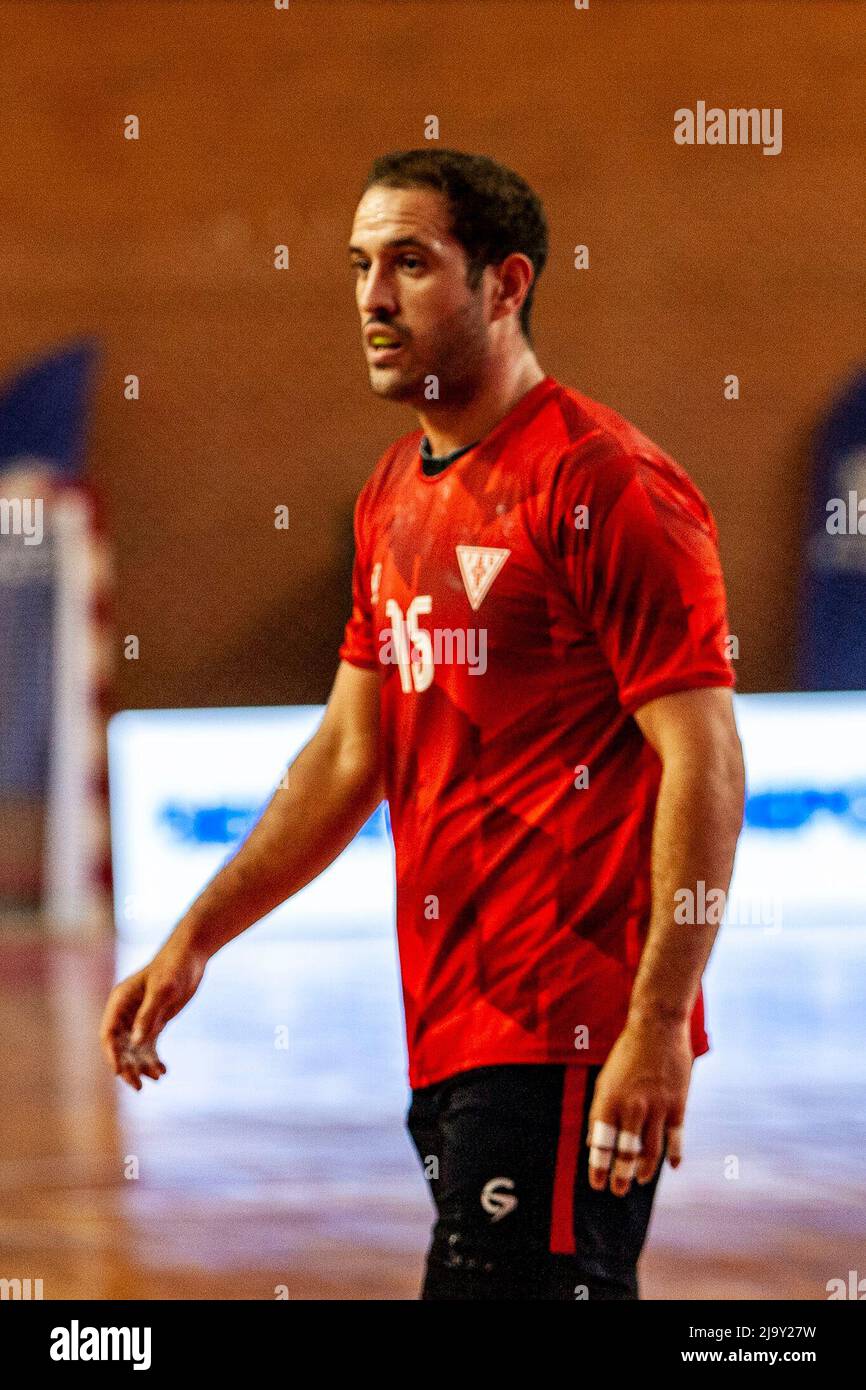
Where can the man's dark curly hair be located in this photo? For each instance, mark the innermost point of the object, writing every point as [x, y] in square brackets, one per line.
[493, 210]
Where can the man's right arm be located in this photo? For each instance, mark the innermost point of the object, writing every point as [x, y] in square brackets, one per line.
[329, 790]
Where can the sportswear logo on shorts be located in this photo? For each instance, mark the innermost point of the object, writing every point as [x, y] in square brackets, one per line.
[496, 1201]
[479, 566]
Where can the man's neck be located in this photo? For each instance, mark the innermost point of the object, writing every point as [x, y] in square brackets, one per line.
[448, 428]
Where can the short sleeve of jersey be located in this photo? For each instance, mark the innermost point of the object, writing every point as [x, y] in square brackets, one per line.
[358, 646]
[637, 547]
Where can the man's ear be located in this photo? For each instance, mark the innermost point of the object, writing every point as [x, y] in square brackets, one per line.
[513, 273]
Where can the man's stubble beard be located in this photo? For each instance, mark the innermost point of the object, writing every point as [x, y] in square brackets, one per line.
[456, 365]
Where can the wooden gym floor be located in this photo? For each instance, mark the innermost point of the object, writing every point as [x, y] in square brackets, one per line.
[274, 1154]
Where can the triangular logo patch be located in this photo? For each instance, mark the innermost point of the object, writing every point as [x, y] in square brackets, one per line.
[479, 566]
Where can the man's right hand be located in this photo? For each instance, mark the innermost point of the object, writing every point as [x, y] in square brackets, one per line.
[139, 1007]
[330, 789]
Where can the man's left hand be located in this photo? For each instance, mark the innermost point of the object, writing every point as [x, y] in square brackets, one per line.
[639, 1104]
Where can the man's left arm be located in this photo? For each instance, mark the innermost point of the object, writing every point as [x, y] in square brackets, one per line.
[642, 1088]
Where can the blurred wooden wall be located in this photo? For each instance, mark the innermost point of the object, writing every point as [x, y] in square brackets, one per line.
[257, 127]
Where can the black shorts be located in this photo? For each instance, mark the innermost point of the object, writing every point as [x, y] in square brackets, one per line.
[505, 1154]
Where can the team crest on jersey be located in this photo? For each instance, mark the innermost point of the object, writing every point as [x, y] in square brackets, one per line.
[479, 566]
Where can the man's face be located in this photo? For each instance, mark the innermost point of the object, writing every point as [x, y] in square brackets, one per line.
[411, 285]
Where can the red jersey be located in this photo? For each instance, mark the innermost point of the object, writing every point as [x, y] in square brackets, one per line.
[520, 606]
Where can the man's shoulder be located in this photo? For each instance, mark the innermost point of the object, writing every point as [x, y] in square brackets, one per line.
[609, 450]
[590, 429]
[598, 458]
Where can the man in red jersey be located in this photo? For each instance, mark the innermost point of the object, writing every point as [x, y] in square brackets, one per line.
[534, 673]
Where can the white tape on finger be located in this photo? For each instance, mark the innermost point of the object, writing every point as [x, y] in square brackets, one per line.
[602, 1134]
[600, 1158]
[628, 1143]
[144, 1055]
